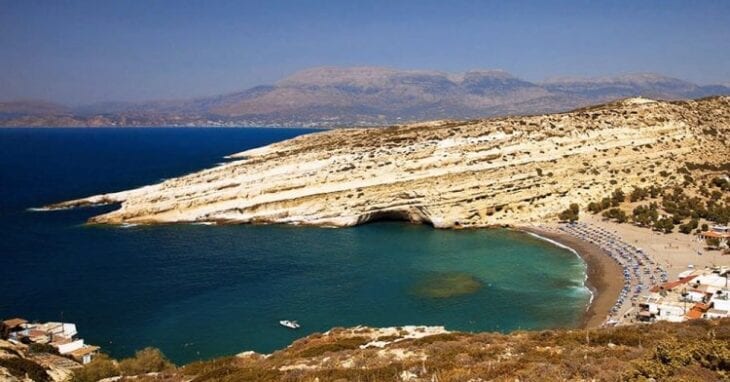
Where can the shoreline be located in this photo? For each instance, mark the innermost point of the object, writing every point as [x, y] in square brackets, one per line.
[604, 277]
[585, 279]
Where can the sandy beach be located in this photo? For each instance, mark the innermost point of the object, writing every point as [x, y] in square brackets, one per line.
[674, 251]
[605, 277]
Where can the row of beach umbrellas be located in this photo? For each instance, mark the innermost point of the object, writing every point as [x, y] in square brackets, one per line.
[639, 270]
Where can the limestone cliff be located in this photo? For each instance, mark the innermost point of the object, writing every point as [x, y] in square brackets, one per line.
[510, 170]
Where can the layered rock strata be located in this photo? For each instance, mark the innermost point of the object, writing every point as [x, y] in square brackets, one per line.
[450, 174]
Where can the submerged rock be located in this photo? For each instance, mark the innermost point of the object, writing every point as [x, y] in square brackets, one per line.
[446, 285]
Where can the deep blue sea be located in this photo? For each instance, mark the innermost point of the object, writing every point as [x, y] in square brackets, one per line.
[202, 291]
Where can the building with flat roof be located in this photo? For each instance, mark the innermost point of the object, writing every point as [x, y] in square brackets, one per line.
[60, 335]
[697, 294]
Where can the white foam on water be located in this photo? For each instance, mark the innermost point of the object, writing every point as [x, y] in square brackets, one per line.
[561, 245]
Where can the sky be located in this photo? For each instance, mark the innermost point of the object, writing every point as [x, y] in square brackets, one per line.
[83, 52]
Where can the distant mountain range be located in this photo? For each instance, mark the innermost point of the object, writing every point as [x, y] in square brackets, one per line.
[364, 96]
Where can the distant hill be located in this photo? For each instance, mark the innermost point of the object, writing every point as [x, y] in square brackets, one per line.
[330, 96]
[31, 107]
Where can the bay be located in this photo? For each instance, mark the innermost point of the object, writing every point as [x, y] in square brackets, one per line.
[200, 291]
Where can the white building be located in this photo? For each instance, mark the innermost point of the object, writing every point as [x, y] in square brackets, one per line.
[658, 308]
[696, 294]
[716, 313]
[721, 301]
[60, 335]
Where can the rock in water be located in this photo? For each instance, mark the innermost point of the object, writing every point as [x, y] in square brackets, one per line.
[446, 285]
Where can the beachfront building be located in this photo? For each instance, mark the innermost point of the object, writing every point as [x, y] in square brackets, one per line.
[60, 335]
[720, 228]
[719, 232]
[697, 294]
[76, 349]
[659, 308]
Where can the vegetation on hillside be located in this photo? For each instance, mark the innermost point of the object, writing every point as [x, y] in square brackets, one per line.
[693, 351]
[148, 360]
[571, 214]
[21, 367]
[681, 206]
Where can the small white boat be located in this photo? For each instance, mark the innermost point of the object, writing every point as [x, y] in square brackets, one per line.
[289, 324]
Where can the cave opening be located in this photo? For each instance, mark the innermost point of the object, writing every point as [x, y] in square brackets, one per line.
[397, 216]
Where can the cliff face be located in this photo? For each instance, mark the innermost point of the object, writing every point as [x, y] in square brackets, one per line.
[449, 174]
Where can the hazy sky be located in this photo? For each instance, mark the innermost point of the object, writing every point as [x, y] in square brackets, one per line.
[91, 51]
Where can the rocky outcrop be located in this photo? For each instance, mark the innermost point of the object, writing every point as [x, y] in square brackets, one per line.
[448, 174]
[18, 363]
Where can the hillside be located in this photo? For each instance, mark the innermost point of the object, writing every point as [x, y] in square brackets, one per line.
[331, 96]
[34, 363]
[693, 351]
[449, 174]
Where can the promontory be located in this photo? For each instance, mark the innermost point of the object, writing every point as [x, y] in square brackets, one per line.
[450, 174]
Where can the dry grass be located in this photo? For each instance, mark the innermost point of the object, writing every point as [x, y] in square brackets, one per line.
[693, 351]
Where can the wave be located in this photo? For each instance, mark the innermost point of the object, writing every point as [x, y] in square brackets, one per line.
[585, 276]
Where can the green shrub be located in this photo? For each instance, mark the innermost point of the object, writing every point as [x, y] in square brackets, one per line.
[685, 229]
[674, 355]
[100, 367]
[617, 197]
[594, 207]
[645, 215]
[570, 214]
[37, 348]
[664, 225]
[721, 183]
[616, 214]
[637, 194]
[144, 361]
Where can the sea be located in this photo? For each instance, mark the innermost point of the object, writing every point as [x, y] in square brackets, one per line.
[198, 291]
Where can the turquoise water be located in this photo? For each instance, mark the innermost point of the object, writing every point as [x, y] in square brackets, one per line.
[201, 291]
